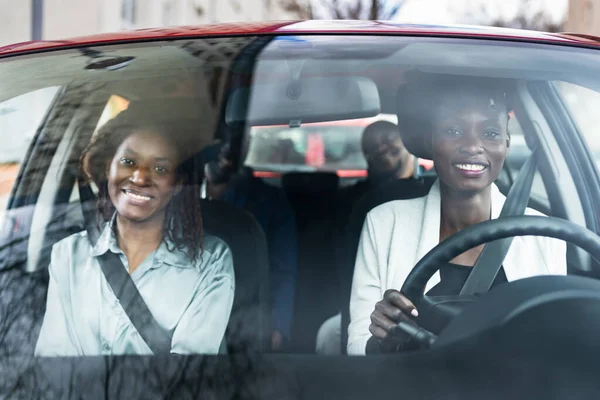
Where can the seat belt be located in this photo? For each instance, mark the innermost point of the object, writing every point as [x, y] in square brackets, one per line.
[155, 336]
[492, 256]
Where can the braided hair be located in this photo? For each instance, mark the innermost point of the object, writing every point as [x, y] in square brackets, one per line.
[183, 218]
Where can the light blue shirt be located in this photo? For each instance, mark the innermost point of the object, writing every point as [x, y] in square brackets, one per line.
[84, 318]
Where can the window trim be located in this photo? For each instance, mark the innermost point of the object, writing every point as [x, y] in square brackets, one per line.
[27, 159]
[575, 143]
[55, 164]
[578, 160]
[563, 183]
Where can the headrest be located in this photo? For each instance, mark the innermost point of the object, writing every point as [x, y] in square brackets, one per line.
[310, 182]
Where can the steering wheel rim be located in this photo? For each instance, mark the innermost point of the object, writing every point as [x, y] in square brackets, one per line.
[476, 235]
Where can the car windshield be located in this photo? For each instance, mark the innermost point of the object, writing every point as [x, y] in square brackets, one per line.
[273, 194]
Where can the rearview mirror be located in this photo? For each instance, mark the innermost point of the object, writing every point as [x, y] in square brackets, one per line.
[306, 100]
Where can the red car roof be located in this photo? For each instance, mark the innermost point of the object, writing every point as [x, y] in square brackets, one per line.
[302, 27]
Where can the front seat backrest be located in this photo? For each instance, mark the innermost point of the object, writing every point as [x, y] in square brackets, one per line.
[313, 196]
[249, 326]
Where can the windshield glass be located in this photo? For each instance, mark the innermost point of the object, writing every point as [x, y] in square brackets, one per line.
[272, 194]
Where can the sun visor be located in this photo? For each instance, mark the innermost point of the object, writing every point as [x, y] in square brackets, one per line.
[306, 100]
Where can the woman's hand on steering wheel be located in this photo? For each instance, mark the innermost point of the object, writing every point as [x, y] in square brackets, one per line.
[392, 309]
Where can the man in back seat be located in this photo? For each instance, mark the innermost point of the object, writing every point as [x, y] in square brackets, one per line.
[387, 160]
[271, 209]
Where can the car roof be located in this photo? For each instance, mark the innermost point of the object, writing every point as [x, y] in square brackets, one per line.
[303, 27]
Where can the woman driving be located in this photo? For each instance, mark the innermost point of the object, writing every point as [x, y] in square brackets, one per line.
[149, 206]
[462, 125]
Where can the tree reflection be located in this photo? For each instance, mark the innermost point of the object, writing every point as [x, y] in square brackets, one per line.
[237, 376]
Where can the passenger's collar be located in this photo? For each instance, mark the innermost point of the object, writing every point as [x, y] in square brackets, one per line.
[166, 254]
[107, 240]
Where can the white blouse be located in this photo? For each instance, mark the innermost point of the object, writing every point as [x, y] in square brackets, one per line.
[396, 235]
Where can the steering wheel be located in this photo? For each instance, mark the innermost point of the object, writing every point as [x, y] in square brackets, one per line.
[436, 312]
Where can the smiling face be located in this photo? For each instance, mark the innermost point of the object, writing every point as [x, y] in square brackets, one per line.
[385, 152]
[470, 143]
[383, 149]
[142, 176]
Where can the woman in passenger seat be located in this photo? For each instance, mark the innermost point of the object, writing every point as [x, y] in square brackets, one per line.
[464, 125]
[149, 205]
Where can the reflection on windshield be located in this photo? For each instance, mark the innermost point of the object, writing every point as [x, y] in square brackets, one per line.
[20, 118]
[272, 196]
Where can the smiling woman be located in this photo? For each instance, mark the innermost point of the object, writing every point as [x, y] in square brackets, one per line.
[462, 125]
[149, 208]
[470, 137]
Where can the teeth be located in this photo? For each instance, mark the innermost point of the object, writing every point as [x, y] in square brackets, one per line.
[470, 167]
[137, 196]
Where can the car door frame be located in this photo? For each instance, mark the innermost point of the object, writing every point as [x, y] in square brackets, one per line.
[566, 165]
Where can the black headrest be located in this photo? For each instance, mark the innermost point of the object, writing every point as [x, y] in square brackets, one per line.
[310, 182]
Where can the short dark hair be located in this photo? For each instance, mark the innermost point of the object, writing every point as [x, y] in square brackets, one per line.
[183, 218]
[378, 127]
[420, 100]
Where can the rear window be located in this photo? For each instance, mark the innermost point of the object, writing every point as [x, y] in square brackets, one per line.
[328, 146]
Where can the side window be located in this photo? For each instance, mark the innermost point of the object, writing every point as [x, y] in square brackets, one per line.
[583, 105]
[20, 118]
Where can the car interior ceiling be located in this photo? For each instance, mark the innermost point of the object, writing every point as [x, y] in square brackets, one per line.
[313, 197]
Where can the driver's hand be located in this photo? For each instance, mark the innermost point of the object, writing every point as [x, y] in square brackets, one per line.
[394, 307]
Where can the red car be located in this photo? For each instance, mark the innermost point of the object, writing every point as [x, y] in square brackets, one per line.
[137, 146]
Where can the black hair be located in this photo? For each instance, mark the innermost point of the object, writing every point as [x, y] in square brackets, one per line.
[420, 101]
[183, 218]
[378, 127]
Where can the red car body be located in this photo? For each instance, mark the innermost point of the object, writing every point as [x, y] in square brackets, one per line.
[302, 27]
